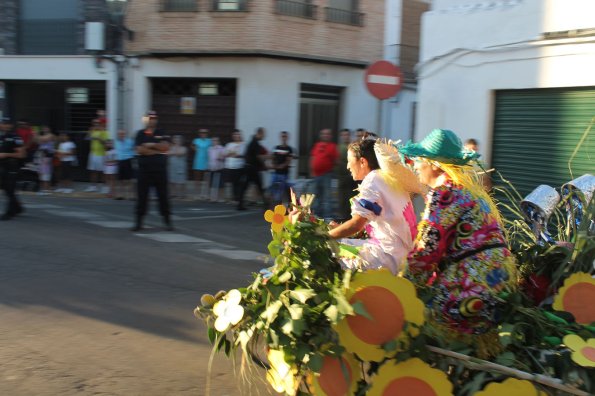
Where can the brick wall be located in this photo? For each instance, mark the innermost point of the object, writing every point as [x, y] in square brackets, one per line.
[258, 29]
[8, 26]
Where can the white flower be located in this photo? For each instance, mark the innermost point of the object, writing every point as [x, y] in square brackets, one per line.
[228, 310]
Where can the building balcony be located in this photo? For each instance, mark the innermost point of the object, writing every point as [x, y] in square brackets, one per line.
[346, 17]
[178, 5]
[298, 9]
[229, 5]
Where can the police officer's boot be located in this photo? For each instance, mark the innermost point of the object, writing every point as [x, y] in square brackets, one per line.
[167, 222]
[138, 225]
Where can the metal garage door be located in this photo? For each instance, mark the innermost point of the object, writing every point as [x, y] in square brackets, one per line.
[536, 132]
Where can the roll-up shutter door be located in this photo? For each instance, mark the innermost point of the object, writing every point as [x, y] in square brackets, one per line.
[536, 132]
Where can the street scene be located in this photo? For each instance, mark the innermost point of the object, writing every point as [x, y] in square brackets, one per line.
[297, 197]
[88, 307]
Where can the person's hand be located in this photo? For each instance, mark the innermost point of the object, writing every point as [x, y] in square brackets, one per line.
[3, 155]
[333, 224]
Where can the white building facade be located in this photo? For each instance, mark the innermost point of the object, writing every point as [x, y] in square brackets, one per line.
[517, 75]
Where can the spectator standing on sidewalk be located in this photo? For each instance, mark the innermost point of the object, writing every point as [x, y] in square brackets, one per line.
[282, 157]
[234, 163]
[98, 137]
[124, 146]
[254, 163]
[177, 165]
[346, 183]
[46, 152]
[26, 134]
[216, 164]
[67, 155]
[152, 146]
[110, 171]
[323, 158]
[201, 145]
[11, 154]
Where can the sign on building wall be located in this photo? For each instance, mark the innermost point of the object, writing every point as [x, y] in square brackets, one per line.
[188, 105]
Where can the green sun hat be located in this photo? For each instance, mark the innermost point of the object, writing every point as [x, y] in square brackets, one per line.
[440, 145]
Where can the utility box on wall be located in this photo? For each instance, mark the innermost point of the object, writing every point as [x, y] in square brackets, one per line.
[94, 36]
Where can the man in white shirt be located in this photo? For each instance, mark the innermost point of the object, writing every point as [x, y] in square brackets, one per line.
[234, 163]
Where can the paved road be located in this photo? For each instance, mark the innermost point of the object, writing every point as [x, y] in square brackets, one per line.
[89, 308]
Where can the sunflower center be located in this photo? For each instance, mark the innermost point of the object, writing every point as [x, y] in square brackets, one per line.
[335, 377]
[386, 311]
[407, 386]
[574, 302]
[277, 218]
[589, 353]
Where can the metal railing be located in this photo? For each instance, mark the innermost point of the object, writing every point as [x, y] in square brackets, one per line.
[179, 5]
[300, 9]
[229, 5]
[346, 17]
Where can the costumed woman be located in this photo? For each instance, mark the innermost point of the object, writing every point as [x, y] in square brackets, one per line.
[382, 208]
[460, 254]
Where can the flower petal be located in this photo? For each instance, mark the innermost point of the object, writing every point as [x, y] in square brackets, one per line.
[268, 215]
[573, 342]
[233, 297]
[234, 314]
[221, 324]
[219, 308]
[277, 227]
[280, 209]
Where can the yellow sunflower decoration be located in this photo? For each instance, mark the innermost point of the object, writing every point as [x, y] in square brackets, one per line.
[338, 376]
[577, 289]
[390, 302]
[276, 217]
[510, 387]
[583, 352]
[281, 375]
[412, 377]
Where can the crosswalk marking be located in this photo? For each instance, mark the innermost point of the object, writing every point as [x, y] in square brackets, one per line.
[174, 238]
[236, 254]
[112, 224]
[77, 215]
[42, 206]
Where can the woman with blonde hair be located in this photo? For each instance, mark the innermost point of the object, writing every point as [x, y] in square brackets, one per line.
[460, 254]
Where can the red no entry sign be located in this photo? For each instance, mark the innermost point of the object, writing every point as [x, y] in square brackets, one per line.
[383, 79]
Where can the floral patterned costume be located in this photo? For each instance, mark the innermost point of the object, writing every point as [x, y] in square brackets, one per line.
[460, 252]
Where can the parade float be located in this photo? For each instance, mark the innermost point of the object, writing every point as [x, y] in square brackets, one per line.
[312, 328]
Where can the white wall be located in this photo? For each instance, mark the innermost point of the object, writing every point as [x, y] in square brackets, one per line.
[267, 91]
[467, 54]
[64, 68]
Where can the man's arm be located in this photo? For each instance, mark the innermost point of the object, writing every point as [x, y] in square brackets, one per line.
[349, 228]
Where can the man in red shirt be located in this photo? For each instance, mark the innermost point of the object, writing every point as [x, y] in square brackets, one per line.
[323, 158]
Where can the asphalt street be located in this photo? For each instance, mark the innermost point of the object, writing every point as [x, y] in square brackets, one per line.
[88, 307]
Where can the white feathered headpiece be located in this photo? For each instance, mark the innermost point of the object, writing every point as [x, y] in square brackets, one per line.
[394, 172]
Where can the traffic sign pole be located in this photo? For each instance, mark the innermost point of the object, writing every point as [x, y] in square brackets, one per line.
[383, 80]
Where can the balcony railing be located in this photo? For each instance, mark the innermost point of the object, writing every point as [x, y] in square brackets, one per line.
[229, 5]
[347, 17]
[300, 9]
[179, 5]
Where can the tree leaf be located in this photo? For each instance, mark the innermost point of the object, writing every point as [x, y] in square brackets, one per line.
[302, 295]
[295, 311]
[360, 309]
[270, 314]
[212, 334]
[315, 362]
[332, 313]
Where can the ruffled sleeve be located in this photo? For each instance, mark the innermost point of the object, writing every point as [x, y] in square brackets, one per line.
[368, 202]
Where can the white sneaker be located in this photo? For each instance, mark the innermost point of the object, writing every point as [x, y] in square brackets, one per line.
[91, 189]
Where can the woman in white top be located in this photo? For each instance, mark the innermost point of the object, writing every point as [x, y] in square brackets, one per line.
[382, 208]
[234, 163]
[66, 153]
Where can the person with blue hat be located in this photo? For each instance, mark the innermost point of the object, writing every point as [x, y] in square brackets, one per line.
[11, 154]
[460, 253]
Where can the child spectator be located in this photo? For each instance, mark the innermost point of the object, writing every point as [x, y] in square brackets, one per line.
[45, 157]
[177, 167]
[201, 145]
[67, 155]
[110, 169]
[124, 146]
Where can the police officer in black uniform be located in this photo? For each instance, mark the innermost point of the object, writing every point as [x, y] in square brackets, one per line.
[151, 147]
[11, 154]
